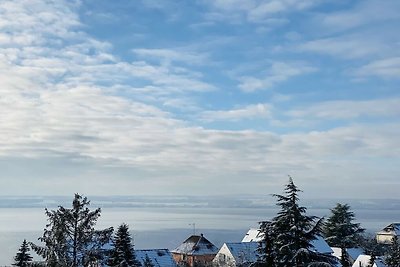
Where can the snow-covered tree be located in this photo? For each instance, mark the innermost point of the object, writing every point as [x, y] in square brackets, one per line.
[23, 258]
[340, 231]
[122, 253]
[294, 232]
[392, 258]
[266, 252]
[70, 238]
[147, 262]
[371, 246]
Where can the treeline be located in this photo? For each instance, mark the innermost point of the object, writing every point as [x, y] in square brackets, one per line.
[70, 238]
[287, 238]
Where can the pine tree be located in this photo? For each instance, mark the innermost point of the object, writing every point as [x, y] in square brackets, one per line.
[23, 258]
[122, 253]
[340, 231]
[392, 258]
[295, 231]
[70, 238]
[371, 246]
[147, 262]
[265, 251]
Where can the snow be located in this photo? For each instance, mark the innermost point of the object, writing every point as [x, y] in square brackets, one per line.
[196, 245]
[320, 245]
[243, 251]
[253, 235]
[159, 257]
[363, 260]
[353, 252]
[392, 229]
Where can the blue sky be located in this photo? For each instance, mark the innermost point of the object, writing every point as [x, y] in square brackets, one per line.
[200, 97]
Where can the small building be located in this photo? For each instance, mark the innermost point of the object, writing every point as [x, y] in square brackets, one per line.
[158, 257]
[363, 261]
[236, 254]
[386, 235]
[319, 244]
[195, 251]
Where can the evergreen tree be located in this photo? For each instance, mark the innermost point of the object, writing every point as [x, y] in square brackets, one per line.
[371, 246]
[23, 258]
[122, 253]
[340, 231]
[265, 251]
[70, 238]
[295, 231]
[392, 258]
[147, 262]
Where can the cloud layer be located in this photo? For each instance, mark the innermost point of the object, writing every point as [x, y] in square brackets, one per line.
[208, 115]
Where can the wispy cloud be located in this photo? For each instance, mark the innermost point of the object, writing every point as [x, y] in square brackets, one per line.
[255, 11]
[170, 55]
[363, 13]
[386, 68]
[248, 112]
[277, 73]
[346, 46]
[348, 109]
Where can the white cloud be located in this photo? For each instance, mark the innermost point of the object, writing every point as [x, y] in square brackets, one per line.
[170, 55]
[247, 112]
[364, 13]
[66, 97]
[348, 109]
[255, 11]
[346, 46]
[385, 68]
[277, 73]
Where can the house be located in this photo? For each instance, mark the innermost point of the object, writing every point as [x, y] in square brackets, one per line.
[352, 252]
[385, 236]
[158, 257]
[363, 261]
[195, 251]
[319, 244]
[236, 254]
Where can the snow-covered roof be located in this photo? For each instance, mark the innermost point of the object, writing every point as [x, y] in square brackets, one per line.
[320, 245]
[196, 245]
[391, 229]
[353, 252]
[253, 235]
[363, 260]
[243, 251]
[159, 257]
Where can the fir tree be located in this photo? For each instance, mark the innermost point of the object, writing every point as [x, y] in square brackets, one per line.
[371, 246]
[392, 258]
[122, 253]
[340, 231]
[295, 231]
[147, 262]
[265, 251]
[70, 238]
[23, 258]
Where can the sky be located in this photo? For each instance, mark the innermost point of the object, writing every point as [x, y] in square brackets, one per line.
[200, 97]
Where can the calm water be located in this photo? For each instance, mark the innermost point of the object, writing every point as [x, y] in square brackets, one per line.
[165, 227]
